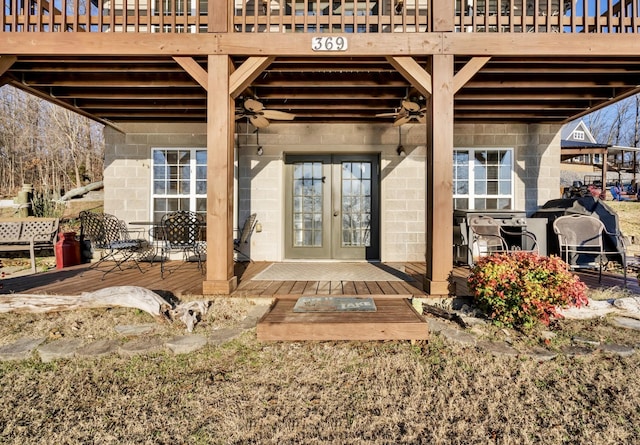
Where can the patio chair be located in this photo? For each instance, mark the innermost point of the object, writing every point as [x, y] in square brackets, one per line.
[488, 236]
[245, 233]
[181, 232]
[111, 236]
[583, 243]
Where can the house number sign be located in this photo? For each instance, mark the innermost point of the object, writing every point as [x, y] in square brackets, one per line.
[329, 44]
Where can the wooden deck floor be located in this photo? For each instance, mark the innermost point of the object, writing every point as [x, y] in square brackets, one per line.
[395, 318]
[186, 281]
[293, 289]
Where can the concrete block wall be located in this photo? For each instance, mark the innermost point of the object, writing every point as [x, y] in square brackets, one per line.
[536, 157]
[127, 163]
[261, 178]
[261, 181]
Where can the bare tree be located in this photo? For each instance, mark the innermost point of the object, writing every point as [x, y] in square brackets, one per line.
[45, 145]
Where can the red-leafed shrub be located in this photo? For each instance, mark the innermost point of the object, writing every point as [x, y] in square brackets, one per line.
[520, 289]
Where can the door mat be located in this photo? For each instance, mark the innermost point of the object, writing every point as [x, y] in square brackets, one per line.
[334, 304]
[329, 272]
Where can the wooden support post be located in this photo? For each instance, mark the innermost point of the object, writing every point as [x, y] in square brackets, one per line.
[605, 167]
[220, 118]
[439, 206]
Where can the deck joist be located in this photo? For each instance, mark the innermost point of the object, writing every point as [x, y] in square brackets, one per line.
[394, 319]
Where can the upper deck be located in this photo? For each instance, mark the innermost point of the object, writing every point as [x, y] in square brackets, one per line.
[321, 16]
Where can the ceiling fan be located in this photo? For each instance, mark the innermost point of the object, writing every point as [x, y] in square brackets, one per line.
[408, 111]
[258, 115]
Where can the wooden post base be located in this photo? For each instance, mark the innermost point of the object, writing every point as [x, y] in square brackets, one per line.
[219, 287]
[436, 288]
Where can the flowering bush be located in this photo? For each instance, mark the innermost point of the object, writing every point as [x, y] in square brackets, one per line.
[520, 289]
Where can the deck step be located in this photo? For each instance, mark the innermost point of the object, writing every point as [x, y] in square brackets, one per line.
[394, 319]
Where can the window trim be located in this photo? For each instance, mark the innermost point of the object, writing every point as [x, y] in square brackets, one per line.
[471, 195]
[192, 196]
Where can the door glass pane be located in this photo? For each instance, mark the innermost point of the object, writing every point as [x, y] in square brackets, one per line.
[307, 208]
[356, 204]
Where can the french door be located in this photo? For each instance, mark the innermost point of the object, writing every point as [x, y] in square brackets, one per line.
[332, 207]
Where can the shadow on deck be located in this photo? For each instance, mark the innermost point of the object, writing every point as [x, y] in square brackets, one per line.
[394, 319]
[185, 281]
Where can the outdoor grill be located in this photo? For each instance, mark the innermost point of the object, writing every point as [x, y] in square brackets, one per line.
[514, 222]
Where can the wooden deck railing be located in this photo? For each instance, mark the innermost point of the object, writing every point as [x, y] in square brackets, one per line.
[326, 16]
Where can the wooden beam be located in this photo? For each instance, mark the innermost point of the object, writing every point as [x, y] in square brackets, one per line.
[194, 69]
[629, 93]
[202, 44]
[290, 44]
[577, 151]
[468, 71]
[6, 62]
[543, 44]
[439, 165]
[220, 16]
[442, 14]
[62, 104]
[220, 157]
[413, 72]
[246, 73]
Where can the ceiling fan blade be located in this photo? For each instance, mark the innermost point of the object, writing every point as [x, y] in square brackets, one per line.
[259, 121]
[401, 120]
[253, 105]
[240, 116]
[386, 115]
[278, 115]
[422, 118]
[410, 106]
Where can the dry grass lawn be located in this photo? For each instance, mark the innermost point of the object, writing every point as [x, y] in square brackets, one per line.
[246, 392]
[322, 392]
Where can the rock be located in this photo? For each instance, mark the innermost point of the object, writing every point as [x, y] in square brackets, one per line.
[141, 345]
[621, 350]
[20, 349]
[459, 337]
[98, 348]
[134, 329]
[436, 326]
[626, 322]
[595, 309]
[224, 335]
[258, 311]
[576, 351]
[585, 341]
[541, 354]
[629, 304]
[186, 343]
[63, 348]
[498, 348]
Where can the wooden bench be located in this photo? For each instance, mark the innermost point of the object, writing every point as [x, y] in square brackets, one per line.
[28, 234]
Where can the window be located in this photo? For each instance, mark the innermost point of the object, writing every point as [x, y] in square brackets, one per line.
[179, 181]
[578, 135]
[483, 179]
[179, 7]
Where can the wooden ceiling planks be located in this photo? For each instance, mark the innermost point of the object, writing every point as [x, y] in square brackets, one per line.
[530, 87]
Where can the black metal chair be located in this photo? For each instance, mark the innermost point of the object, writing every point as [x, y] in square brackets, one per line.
[582, 243]
[111, 236]
[181, 232]
[245, 233]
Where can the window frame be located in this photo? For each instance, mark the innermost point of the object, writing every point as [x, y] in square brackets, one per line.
[471, 196]
[192, 196]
